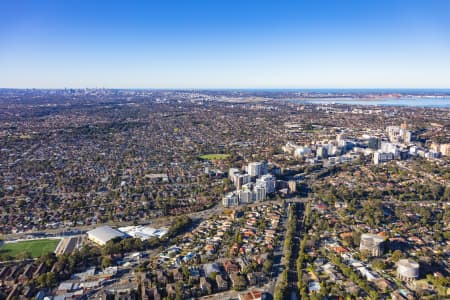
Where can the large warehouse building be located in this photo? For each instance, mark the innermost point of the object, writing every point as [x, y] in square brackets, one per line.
[102, 235]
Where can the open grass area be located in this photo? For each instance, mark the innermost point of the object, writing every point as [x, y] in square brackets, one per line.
[35, 247]
[215, 156]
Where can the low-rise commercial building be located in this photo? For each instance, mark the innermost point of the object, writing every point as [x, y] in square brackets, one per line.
[101, 235]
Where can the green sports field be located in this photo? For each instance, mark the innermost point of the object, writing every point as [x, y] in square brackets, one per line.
[215, 156]
[35, 247]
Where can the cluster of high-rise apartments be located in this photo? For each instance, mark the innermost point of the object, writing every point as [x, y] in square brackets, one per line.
[340, 150]
[251, 186]
[400, 146]
[396, 143]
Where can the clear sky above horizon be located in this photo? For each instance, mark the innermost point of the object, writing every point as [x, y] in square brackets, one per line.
[225, 44]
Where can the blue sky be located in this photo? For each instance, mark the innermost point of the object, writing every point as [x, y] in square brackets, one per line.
[225, 44]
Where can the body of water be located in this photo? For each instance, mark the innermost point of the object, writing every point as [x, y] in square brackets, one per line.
[410, 102]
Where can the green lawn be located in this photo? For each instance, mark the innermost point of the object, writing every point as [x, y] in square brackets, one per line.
[36, 247]
[214, 156]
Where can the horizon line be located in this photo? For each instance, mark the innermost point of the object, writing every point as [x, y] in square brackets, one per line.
[227, 88]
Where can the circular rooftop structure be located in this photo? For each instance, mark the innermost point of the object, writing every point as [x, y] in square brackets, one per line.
[408, 269]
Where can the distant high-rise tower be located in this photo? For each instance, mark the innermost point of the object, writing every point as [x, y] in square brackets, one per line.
[374, 143]
[268, 182]
[340, 137]
[254, 169]
[292, 186]
[322, 152]
[240, 180]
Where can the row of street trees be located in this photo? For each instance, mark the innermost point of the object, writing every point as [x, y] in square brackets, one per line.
[281, 290]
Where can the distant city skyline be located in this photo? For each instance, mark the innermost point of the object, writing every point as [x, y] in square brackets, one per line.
[225, 44]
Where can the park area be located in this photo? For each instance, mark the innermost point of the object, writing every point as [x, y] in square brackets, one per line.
[33, 248]
[215, 156]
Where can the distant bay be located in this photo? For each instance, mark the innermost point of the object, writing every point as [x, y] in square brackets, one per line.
[438, 102]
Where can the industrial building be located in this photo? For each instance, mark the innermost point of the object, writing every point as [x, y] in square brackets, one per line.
[101, 235]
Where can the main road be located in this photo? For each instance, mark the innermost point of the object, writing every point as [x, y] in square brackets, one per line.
[218, 209]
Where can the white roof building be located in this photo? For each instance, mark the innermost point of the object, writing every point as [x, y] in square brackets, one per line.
[101, 235]
[144, 232]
